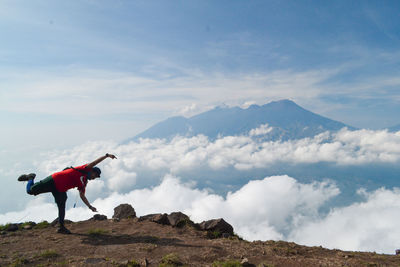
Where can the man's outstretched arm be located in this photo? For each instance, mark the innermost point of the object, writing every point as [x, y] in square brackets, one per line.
[97, 161]
[84, 199]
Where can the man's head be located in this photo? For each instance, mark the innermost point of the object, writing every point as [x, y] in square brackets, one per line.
[94, 173]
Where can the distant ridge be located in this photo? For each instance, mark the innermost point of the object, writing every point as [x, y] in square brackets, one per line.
[289, 121]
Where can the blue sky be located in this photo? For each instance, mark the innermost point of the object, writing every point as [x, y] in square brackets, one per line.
[78, 77]
[73, 71]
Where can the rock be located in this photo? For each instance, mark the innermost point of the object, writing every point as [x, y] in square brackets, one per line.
[12, 227]
[161, 219]
[217, 225]
[98, 217]
[245, 263]
[147, 217]
[124, 211]
[178, 219]
[157, 218]
[27, 227]
[3, 233]
[397, 251]
[94, 261]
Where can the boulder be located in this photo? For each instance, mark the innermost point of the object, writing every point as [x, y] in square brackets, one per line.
[98, 217]
[217, 225]
[178, 219]
[147, 217]
[157, 218]
[124, 211]
[161, 219]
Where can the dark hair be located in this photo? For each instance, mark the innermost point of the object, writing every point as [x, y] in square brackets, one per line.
[96, 170]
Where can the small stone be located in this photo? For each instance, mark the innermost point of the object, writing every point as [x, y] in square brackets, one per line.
[245, 263]
[3, 232]
[12, 227]
[28, 227]
[98, 217]
[124, 263]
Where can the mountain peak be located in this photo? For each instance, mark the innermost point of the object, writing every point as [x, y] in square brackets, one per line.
[283, 102]
[289, 120]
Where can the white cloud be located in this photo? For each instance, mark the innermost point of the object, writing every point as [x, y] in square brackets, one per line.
[37, 210]
[137, 160]
[92, 92]
[121, 180]
[369, 226]
[261, 130]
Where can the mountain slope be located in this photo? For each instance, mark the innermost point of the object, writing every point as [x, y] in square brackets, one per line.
[289, 121]
[130, 242]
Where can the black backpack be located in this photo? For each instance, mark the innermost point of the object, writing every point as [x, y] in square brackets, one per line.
[83, 172]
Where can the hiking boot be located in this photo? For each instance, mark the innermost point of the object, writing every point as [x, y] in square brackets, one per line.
[26, 177]
[63, 230]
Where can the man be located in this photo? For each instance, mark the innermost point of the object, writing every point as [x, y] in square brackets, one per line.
[60, 182]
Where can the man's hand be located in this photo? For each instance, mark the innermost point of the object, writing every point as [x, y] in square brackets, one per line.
[93, 209]
[111, 156]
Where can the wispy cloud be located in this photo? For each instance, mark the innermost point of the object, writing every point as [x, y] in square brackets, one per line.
[84, 92]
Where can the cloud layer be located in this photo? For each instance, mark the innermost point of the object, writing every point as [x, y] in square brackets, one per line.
[239, 152]
[163, 176]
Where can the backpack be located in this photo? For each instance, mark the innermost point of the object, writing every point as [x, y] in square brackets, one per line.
[83, 172]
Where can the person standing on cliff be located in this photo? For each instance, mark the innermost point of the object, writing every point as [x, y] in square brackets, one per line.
[60, 182]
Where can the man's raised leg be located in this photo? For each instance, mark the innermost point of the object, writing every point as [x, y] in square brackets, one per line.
[44, 186]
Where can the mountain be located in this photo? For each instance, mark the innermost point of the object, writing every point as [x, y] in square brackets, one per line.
[289, 121]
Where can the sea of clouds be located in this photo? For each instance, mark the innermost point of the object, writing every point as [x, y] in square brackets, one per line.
[155, 176]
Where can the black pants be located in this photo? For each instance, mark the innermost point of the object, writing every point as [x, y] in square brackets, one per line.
[45, 186]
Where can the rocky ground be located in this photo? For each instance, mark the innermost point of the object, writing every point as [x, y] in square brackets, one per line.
[142, 242]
